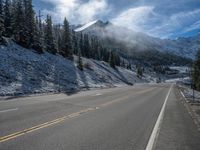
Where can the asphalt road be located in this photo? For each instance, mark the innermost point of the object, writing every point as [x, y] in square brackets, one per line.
[109, 119]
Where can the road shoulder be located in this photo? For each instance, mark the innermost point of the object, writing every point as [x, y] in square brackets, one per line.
[177, 131]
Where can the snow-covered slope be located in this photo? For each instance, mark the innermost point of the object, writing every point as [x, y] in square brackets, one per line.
[185, 47]
[22, 71]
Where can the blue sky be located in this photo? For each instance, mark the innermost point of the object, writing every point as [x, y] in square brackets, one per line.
[159, 18]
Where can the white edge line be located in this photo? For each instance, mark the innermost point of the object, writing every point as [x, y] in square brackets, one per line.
[8, 110]
[183, 94]
[156, 128]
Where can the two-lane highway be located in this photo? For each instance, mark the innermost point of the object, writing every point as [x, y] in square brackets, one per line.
[109, 119]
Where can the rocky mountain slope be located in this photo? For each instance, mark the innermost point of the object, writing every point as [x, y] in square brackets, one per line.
[184, 47]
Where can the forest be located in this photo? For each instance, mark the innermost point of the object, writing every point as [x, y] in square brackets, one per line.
[19, 21]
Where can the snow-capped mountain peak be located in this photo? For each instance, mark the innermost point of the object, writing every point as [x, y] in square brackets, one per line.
[94, 24]
[86, 26]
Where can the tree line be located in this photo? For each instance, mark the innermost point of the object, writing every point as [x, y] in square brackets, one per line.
[19, 22]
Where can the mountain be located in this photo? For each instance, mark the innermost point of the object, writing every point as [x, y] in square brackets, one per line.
[183, 46]
[119, 37]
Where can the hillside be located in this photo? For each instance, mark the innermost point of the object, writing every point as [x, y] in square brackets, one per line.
[23, 71]
[119, 37]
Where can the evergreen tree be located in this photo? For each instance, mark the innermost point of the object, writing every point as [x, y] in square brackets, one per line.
[75, 43]
[59, 44]
[196, 72]
[117, 60]
[86, 46]
[95, 48]
[80, 62]
[18, 23]
[123, 64]
[81, 44]
[57, 37]
[106, 55]
[7, 18]
[40, 29]
[2, 29]
[112, 59]
[139, 72]
[14, 5]
[66, 41]
[49, 40]
[37, 39]
[129, 66]
[29, 24]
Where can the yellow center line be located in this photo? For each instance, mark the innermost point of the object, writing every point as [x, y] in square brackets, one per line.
[44, 125]
[61, 119]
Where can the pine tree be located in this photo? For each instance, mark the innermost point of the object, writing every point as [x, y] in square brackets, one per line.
[14, 5]
[196, 72]
[75, 43]
[117, 60]
[123, 64]
[66, 41]
[37, 39]
[86, 46]
[105, 54]
[7, 18]
[49, 40]
[2, 29]
[18, 23]
[57, 37]
[129, 66]
[81, 44]
[29, 24]
[95, 48]
[40, 29]
[139, 72]
[59, 43]
[80, 62]
[112, 59]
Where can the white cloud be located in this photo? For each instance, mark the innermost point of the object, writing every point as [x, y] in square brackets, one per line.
[134, 18]
[192, 27]
[179, 22]
[77, 11]
[146, 19]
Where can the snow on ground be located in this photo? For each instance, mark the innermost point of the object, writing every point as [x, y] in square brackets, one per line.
[182, 69]
[188, 92]
[183, 80]
[23, 71]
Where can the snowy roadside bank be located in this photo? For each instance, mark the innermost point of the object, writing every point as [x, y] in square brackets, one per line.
[24, 72]
[192, 96]
[192, 105]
